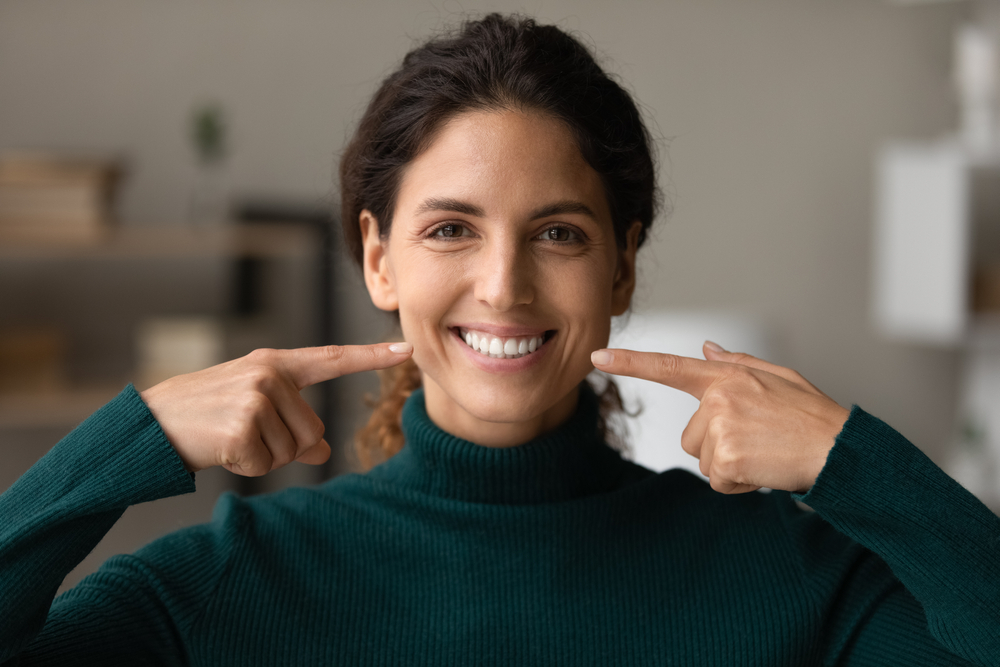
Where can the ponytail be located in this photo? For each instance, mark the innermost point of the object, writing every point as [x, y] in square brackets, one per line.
[382, 437]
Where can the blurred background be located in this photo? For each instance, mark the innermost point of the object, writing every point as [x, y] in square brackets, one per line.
[167, 180]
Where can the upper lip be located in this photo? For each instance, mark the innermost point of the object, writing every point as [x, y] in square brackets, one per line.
[502, 330]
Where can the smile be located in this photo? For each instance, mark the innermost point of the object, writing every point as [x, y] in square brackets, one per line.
[497, 347]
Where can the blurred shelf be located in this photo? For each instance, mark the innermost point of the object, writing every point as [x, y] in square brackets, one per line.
[53, 409]
[167, 241]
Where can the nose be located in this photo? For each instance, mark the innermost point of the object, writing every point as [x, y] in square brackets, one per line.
[505, 276]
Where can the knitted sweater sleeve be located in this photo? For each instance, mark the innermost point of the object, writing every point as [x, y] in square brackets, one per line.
[55, 514]
[941, 543]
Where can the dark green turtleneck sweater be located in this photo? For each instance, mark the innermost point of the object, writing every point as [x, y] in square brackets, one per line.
[555, 552]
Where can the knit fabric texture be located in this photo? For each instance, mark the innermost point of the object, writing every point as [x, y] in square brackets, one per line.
[556, 552]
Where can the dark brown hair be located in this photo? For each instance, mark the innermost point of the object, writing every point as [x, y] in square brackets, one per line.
[497, 62]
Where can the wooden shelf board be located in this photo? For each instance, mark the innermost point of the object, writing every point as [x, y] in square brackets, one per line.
[55, 409]
[166, 241]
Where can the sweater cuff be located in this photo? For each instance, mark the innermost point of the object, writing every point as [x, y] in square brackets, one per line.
[137, 459]
[119, 456]
[866, 456]
[873, 470]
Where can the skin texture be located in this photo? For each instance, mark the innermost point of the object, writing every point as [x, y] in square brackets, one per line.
[483, 182]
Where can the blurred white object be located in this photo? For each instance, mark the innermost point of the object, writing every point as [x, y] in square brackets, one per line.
[975, 459]
[172, 346]
[921, 243]
[655, 435]
[975, 75]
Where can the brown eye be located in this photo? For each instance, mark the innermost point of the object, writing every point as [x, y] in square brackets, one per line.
[450, 231]
[558, 234]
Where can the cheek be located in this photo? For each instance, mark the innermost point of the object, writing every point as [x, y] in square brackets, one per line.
[584, 290]
[582, 295]
[425, 292]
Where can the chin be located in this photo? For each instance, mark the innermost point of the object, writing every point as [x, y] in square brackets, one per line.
[502, 410]
[512, 405]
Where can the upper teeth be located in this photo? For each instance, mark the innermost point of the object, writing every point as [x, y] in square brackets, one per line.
[501, 348]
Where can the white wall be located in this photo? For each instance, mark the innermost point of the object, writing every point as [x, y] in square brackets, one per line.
[769, 113]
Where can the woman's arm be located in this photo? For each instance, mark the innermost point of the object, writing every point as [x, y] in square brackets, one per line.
[761, 425]
[245, 415]
[937, 538]
[55, 514]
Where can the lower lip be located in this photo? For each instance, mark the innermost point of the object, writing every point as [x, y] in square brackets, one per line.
[493, 365]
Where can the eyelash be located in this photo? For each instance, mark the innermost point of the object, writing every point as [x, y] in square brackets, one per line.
[577, 235]
[434, 232]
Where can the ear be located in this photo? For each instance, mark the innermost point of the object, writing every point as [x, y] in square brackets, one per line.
[378, 274]
[624, 285]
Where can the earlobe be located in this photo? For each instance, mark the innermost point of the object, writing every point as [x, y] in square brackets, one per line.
[375, 262]
[624, 285]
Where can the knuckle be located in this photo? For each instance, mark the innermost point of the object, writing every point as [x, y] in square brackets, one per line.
[282, 457]
[668, 364]
[258, 465]
[728, 462]
[743, 379]
[233, 453]
[262, 355]
[717, 484]
[717, 399]
[316, 431]
[689, 443]
[333, 353]
[265, 378]
[716, 430]
[255, 404]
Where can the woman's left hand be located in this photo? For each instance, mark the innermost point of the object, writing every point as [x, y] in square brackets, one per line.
[759, 425]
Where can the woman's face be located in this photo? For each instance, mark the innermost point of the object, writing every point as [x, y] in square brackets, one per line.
[503, 265]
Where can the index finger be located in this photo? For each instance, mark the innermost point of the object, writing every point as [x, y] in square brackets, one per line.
[309, 365]
[693, 376]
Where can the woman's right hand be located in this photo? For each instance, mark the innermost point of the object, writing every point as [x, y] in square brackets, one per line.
[247, 416]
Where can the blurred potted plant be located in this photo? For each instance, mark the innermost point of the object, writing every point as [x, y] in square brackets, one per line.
[208, 131]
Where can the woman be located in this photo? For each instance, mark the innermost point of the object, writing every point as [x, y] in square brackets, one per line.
[495, 195]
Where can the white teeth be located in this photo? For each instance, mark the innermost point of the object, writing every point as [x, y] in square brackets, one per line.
[502, 348]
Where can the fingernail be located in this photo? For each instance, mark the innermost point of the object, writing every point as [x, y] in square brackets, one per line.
[401, 348]
[601, 358]
[714, 347]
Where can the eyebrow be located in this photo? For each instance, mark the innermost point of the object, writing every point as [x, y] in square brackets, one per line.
[458, 206]
[449, 204]
[563, 208]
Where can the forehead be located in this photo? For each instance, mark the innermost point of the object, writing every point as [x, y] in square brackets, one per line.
[504, 162]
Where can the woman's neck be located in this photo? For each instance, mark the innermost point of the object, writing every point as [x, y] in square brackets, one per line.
[451, 417]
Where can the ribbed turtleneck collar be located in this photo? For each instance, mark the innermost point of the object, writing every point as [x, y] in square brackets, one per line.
[568, 462]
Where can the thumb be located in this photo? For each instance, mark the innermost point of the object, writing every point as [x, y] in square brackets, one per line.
[715, 352]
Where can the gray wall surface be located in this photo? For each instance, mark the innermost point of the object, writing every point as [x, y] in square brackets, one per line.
[768, 114]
